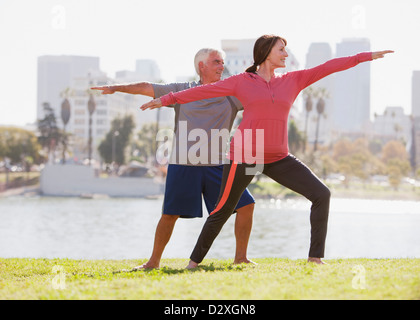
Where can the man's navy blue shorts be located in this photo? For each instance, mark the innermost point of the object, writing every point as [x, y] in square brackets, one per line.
[186, 184]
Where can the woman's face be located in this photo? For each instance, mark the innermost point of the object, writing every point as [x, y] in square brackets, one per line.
[278, 55]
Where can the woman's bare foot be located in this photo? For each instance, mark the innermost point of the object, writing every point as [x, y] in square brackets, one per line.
[316, 260]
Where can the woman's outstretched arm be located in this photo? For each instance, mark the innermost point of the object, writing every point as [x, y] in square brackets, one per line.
[309, 76]
[221, 88]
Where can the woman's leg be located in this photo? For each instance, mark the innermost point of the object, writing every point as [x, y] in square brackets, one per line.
[234, 182]
[293, 174]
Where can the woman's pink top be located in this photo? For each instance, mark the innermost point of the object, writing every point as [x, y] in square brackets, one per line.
[262, 134]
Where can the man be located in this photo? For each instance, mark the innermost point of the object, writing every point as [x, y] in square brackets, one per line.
[187, 181]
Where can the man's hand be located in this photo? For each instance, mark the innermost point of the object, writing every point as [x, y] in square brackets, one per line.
[105, 89]
[380, 54]
[155, 103]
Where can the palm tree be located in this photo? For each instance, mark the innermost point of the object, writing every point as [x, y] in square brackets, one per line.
[65, 117]
[321, 93]
[308, 107]
[320, 108]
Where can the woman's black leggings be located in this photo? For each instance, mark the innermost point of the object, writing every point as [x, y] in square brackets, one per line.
[289, 172]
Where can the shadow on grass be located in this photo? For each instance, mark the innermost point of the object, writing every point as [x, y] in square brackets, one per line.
[157, 273]
[172, 271]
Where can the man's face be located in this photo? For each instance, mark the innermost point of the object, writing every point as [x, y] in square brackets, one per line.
[212, 69]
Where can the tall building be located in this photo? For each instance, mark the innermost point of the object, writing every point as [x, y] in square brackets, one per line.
[351, 109]
[319, 53]
[415, 110]
[55, 74]
[415, 94]
[108, 107]
[238, 54]
[72, 77]
[148, 70]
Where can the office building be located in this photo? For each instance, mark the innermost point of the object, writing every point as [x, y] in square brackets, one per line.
[319, 53]
[415, 94]
[71, 77]
[146, 70]
[55, 74]
[393, 124]
[351, 108]
[415, 110]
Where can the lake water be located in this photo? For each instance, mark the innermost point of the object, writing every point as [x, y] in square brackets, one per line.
[109, 228]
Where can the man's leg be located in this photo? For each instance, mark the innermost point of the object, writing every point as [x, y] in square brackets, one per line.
[182, 195]
[163, 234]
[243, 226]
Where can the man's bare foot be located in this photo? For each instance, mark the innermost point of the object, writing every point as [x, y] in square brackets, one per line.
[316, 260]
[192, 265]
[239, 261]
[146, 266]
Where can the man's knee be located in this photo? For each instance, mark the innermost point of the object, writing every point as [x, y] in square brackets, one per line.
[248, 209]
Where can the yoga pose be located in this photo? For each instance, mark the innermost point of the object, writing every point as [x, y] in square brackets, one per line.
[187, 181]
[261, 139]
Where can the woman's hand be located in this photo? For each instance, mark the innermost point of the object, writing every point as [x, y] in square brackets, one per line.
[155, 103]
[380, 54]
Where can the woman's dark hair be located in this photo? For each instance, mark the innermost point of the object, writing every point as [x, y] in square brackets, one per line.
[262, 49]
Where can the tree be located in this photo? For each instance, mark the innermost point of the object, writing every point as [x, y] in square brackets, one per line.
[3, 145]
[342, 147]
[321, 94]
[114, 145]
[65, 117]
[354, 159]
[395, 157]
[296, 138]
[394, 150]
[20, 146]
[49, 134]
[308, 107]
[146, 141]
[314, 93]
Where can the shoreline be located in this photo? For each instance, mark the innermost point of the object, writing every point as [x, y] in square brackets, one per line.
[351, 193]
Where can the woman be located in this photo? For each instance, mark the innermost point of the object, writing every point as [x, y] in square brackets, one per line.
[267, 99]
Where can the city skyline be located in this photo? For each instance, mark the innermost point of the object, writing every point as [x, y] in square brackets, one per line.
[30, 30]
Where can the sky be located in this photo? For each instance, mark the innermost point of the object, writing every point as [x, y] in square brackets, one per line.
[172, 31]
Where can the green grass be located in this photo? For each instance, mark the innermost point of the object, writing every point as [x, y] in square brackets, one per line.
[271, 279]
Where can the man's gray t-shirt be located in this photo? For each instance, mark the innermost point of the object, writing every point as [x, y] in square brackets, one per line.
[201, 127]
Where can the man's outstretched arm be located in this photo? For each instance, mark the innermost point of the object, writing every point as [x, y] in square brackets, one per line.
[143, 88]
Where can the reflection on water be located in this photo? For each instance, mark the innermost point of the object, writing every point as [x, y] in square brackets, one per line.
[124, 229]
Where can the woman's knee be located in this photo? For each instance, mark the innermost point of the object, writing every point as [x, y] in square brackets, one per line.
[322, 194]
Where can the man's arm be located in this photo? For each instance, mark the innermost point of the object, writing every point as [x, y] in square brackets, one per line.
[143, 88]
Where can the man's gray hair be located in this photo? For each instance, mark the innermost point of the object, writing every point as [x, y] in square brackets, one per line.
[203, 54]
